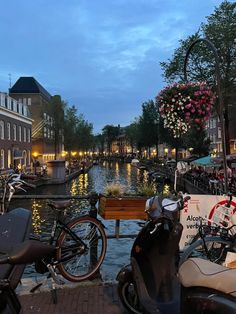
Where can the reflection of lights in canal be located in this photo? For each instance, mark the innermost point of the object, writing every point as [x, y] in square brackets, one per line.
[117, 168]
[128, 171]
[36, 218]
[80, 185]
[166, 189]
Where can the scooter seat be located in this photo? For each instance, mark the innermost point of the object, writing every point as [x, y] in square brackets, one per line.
[197, 272]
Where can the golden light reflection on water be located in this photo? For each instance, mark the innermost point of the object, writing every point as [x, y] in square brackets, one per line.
[117, 169]
[166, 189]
[128, 171]
[36, 218]
[80, 186]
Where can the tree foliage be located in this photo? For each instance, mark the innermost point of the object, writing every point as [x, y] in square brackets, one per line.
[57, 112]
[110, 132]
[220, 29]
[78, 131]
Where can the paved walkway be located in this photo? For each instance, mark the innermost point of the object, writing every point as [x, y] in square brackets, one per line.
[91, 299]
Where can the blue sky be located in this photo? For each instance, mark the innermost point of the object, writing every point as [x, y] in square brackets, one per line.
[100, 55]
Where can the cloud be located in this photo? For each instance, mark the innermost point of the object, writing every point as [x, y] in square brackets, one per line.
[102, 56]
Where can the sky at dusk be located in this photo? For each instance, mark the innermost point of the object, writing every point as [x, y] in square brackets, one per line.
[100, 55]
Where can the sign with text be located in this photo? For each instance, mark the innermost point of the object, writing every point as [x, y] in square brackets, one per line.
[211, 207]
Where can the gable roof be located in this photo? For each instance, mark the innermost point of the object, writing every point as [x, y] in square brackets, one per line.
[28, 85]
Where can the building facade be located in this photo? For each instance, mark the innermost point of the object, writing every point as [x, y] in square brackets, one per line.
[15, 133]
[29, 91]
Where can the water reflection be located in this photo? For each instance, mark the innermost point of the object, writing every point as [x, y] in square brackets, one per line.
[94, 181]
[36, 217]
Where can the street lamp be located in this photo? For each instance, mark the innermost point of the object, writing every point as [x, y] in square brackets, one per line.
[220, 97]
[35, 156]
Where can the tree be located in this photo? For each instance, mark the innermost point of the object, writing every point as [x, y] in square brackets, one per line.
[148, 125]
[131, 132]
[99, 143]
[84, 134]
[220, 29]
[57, 111]
[198, 141]
[110, 132]
[70, 128]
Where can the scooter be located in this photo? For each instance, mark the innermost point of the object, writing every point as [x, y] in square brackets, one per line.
[15, 227]
[152, 283]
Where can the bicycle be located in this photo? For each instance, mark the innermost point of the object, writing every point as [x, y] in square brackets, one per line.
[79, 245]
[214, 239]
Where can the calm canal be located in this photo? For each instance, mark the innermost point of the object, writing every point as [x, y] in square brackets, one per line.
[96, 179]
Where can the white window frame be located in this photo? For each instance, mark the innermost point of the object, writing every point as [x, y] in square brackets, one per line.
[2, 124]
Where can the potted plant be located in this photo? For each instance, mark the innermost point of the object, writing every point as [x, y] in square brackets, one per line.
[115, 203]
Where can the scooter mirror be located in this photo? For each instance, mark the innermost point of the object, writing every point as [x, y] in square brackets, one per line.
[182, 167]
[169, 205]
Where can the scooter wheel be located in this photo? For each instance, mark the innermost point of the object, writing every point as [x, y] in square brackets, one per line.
[129, 297]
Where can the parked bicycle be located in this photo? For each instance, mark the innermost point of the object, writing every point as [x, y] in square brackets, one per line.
[79, 245]
[215, 238]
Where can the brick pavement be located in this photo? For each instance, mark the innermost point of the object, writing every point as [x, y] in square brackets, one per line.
[92, 299]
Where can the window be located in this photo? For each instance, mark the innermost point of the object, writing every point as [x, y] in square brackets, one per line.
[45, 131]
[2, 130]
[24, 135]
[9, 165]
[29, 101]
[20, 108]
[20, 136]
[2, 159]
[8, 130]
[29, 157]
[14, 132]
[24, 158]
[29, 133]
[219, 132]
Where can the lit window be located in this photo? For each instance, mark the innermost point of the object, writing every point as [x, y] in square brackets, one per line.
[2, 159]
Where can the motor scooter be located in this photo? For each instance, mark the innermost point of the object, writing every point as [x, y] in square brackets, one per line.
[152, 283]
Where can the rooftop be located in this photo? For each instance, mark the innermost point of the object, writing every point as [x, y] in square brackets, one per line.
[28, 85]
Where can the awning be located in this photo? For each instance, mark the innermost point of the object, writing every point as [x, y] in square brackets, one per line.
[207, 161]
[18, 154]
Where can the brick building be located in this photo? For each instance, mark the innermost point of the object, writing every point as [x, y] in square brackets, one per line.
[29, 91]
[15, 133]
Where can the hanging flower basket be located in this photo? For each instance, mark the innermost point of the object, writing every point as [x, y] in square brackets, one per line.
[182, 105]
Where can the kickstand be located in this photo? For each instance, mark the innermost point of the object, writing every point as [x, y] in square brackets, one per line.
[53, 292]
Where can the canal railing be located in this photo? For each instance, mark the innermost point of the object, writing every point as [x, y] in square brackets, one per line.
[92, 199]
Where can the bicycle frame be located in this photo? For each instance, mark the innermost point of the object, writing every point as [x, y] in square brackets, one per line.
[61, 226]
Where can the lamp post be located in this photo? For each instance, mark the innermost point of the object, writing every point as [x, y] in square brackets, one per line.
[219, 93]
[35, 156]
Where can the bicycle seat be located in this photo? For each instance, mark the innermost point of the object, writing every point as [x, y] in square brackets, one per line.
[59, 205]
[197, 272]
[27, 252]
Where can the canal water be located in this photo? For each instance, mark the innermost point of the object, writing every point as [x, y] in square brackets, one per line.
[118, 250]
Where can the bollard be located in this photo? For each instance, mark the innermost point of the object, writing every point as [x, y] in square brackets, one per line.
[93, 198]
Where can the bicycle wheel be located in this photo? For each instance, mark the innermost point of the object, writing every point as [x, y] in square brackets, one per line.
[81, 264]
[214, 249]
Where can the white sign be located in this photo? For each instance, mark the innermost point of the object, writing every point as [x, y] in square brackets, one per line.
[210, 207]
